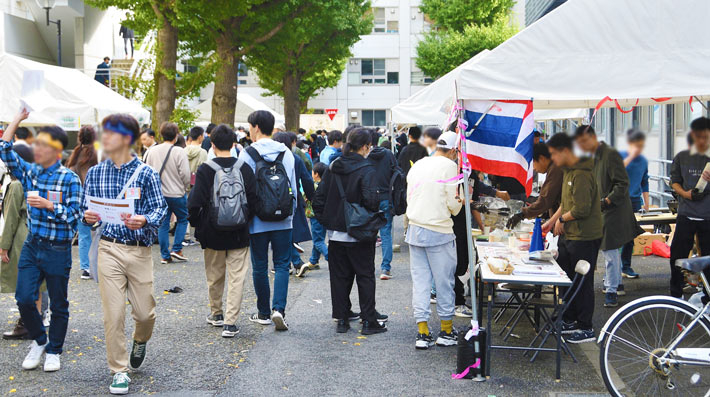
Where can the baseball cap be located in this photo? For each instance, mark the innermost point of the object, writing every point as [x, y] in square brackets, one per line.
[448, 140]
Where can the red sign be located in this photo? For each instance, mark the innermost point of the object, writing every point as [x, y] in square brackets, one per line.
[331, 113]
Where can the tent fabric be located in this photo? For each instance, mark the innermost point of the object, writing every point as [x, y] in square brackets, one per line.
[561, 114]
[655, 51]
[245, 105]
[72, 98]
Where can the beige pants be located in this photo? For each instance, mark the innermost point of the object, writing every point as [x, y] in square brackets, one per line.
[234, 265]
[125, 272]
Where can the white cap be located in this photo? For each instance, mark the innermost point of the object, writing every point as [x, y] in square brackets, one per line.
[448, 140]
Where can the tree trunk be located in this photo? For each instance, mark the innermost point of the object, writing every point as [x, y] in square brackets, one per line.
[292, 103]
[224, 99]
[304, 106]
[164, 76]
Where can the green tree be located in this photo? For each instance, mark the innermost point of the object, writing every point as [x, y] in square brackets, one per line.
[310, 53]
[461, 29]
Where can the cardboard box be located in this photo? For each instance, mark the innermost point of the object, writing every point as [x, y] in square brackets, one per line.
[645, 240]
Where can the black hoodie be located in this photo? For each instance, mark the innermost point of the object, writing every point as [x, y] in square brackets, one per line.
[357, 177]
[384, 163]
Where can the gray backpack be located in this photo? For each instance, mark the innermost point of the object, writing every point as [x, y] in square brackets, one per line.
[228, 210]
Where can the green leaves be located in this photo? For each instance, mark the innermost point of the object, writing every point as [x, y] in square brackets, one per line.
[462, 29]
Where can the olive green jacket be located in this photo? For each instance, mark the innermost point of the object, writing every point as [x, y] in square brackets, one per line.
[14, 233]
[580, 196]
[620, 224]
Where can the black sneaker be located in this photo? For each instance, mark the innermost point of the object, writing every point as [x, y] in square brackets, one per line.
[137, 354]
[85, 275]
[229, 331]
[611, 300]
[569, 328]
[581, 336]
[424, 341]
[215, 320]
[373, 327]
[380, 317]
[352, 316]
[342, 327]
[447, 339]
[259, 319]
[279, 322]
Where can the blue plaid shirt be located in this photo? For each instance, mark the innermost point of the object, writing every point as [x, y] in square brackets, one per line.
[58, 225]
[105, 180]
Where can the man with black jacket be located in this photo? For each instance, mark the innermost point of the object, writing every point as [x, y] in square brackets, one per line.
[226, 253]
[409, 155]
[348, 257]
[384, 162]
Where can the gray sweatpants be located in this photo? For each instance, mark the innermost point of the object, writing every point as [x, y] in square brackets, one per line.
[437, 263]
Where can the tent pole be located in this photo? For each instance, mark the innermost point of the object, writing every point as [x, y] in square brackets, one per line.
[471, 257]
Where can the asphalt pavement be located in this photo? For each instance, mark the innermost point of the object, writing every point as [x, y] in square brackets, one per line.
[187, 357]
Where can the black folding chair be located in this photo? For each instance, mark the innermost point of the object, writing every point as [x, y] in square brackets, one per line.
[520, 296]
[553, 321]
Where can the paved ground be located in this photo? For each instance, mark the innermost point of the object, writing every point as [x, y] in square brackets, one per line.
[187, 357]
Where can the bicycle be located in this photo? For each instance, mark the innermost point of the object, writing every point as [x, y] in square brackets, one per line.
[659, 345]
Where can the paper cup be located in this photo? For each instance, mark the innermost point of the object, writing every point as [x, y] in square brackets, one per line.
[32, 193]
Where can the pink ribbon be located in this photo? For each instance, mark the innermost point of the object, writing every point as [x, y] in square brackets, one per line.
[465, 371]
[453, 179]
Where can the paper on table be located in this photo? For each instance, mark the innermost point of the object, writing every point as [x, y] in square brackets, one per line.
[527, 270]
[110, 210]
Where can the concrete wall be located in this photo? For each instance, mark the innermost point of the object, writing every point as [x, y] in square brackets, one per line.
[21, 38]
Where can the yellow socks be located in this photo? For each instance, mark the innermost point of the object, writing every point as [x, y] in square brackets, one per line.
[423, 328]
[447, 325]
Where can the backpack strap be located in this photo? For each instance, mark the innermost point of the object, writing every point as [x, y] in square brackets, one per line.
[280, 157]
[251, 151]
[213, 164]
[167, 156]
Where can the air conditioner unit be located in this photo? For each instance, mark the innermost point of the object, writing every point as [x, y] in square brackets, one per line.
[353, 115]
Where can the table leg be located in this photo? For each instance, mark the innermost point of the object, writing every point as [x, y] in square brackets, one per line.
[488, 329]
[557, 324]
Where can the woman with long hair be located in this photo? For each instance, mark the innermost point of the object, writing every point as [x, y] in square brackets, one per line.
[348, 257]
[82, 158]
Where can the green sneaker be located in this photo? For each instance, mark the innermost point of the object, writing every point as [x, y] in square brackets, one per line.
[120, 383]
[137, 355]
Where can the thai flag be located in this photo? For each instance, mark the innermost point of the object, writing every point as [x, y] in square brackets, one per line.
[503, 142]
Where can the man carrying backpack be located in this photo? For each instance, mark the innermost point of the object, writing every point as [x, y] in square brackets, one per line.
[385, 167]
[273, 166]
[219, 208]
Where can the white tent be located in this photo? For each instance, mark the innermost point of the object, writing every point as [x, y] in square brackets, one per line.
[430, 105]
[245, 105]
[69, 97]
[584, 51]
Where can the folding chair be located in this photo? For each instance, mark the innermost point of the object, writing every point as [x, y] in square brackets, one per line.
[553, 321]
[520, 295]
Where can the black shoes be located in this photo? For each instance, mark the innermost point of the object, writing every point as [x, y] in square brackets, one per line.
[230, 331]
[373, 327]
[137, 354]
[379, 316]
[342, 327]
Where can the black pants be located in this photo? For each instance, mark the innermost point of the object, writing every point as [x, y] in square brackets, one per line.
[346, 261]
[683, 240]
[581, 308]
[461, 268]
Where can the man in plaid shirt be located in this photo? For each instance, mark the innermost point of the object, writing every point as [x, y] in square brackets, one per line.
[53, 198]
[125, 266]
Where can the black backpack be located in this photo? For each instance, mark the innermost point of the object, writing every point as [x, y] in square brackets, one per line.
[273, 188]
[361, 223]
[398, 191]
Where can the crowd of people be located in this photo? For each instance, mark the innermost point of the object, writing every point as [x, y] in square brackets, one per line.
[246, 195]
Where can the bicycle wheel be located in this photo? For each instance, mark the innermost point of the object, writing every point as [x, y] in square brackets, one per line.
[638, 336]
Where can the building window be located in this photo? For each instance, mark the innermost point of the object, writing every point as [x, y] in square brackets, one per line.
[242, 70]
[418, 77]
[241, 82]
[374, 118]
[386, 20]
[373, 71]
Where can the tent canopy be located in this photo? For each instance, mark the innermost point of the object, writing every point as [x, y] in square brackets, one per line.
[245, 105]
[651, 51]
[69, 97]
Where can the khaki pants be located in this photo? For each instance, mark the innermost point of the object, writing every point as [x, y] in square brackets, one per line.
[125, 272]
[234, 265]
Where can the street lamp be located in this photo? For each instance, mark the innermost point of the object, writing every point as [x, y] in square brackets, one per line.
[48, 5]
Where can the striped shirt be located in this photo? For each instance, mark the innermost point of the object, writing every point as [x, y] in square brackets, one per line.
[56, 183]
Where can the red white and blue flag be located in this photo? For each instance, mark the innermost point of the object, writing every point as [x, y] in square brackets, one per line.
[502, 144]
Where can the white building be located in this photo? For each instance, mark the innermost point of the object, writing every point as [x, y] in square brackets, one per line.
[381, 73]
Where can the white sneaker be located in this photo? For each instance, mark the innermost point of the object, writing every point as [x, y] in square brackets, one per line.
[463, 311]
[52, 362]
[46, 319]
[278, 319]
[33, 358]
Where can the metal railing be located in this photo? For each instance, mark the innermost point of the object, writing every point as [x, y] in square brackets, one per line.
[660, 195]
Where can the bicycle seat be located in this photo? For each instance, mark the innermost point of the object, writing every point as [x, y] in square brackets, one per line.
[695, 265]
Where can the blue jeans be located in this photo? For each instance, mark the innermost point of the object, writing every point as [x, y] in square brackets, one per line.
[613, 269]
[177, 206]
[84, 245]
[296, 260]
[386, 236]
[281, 244]
[319, 246]
[41, 260]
